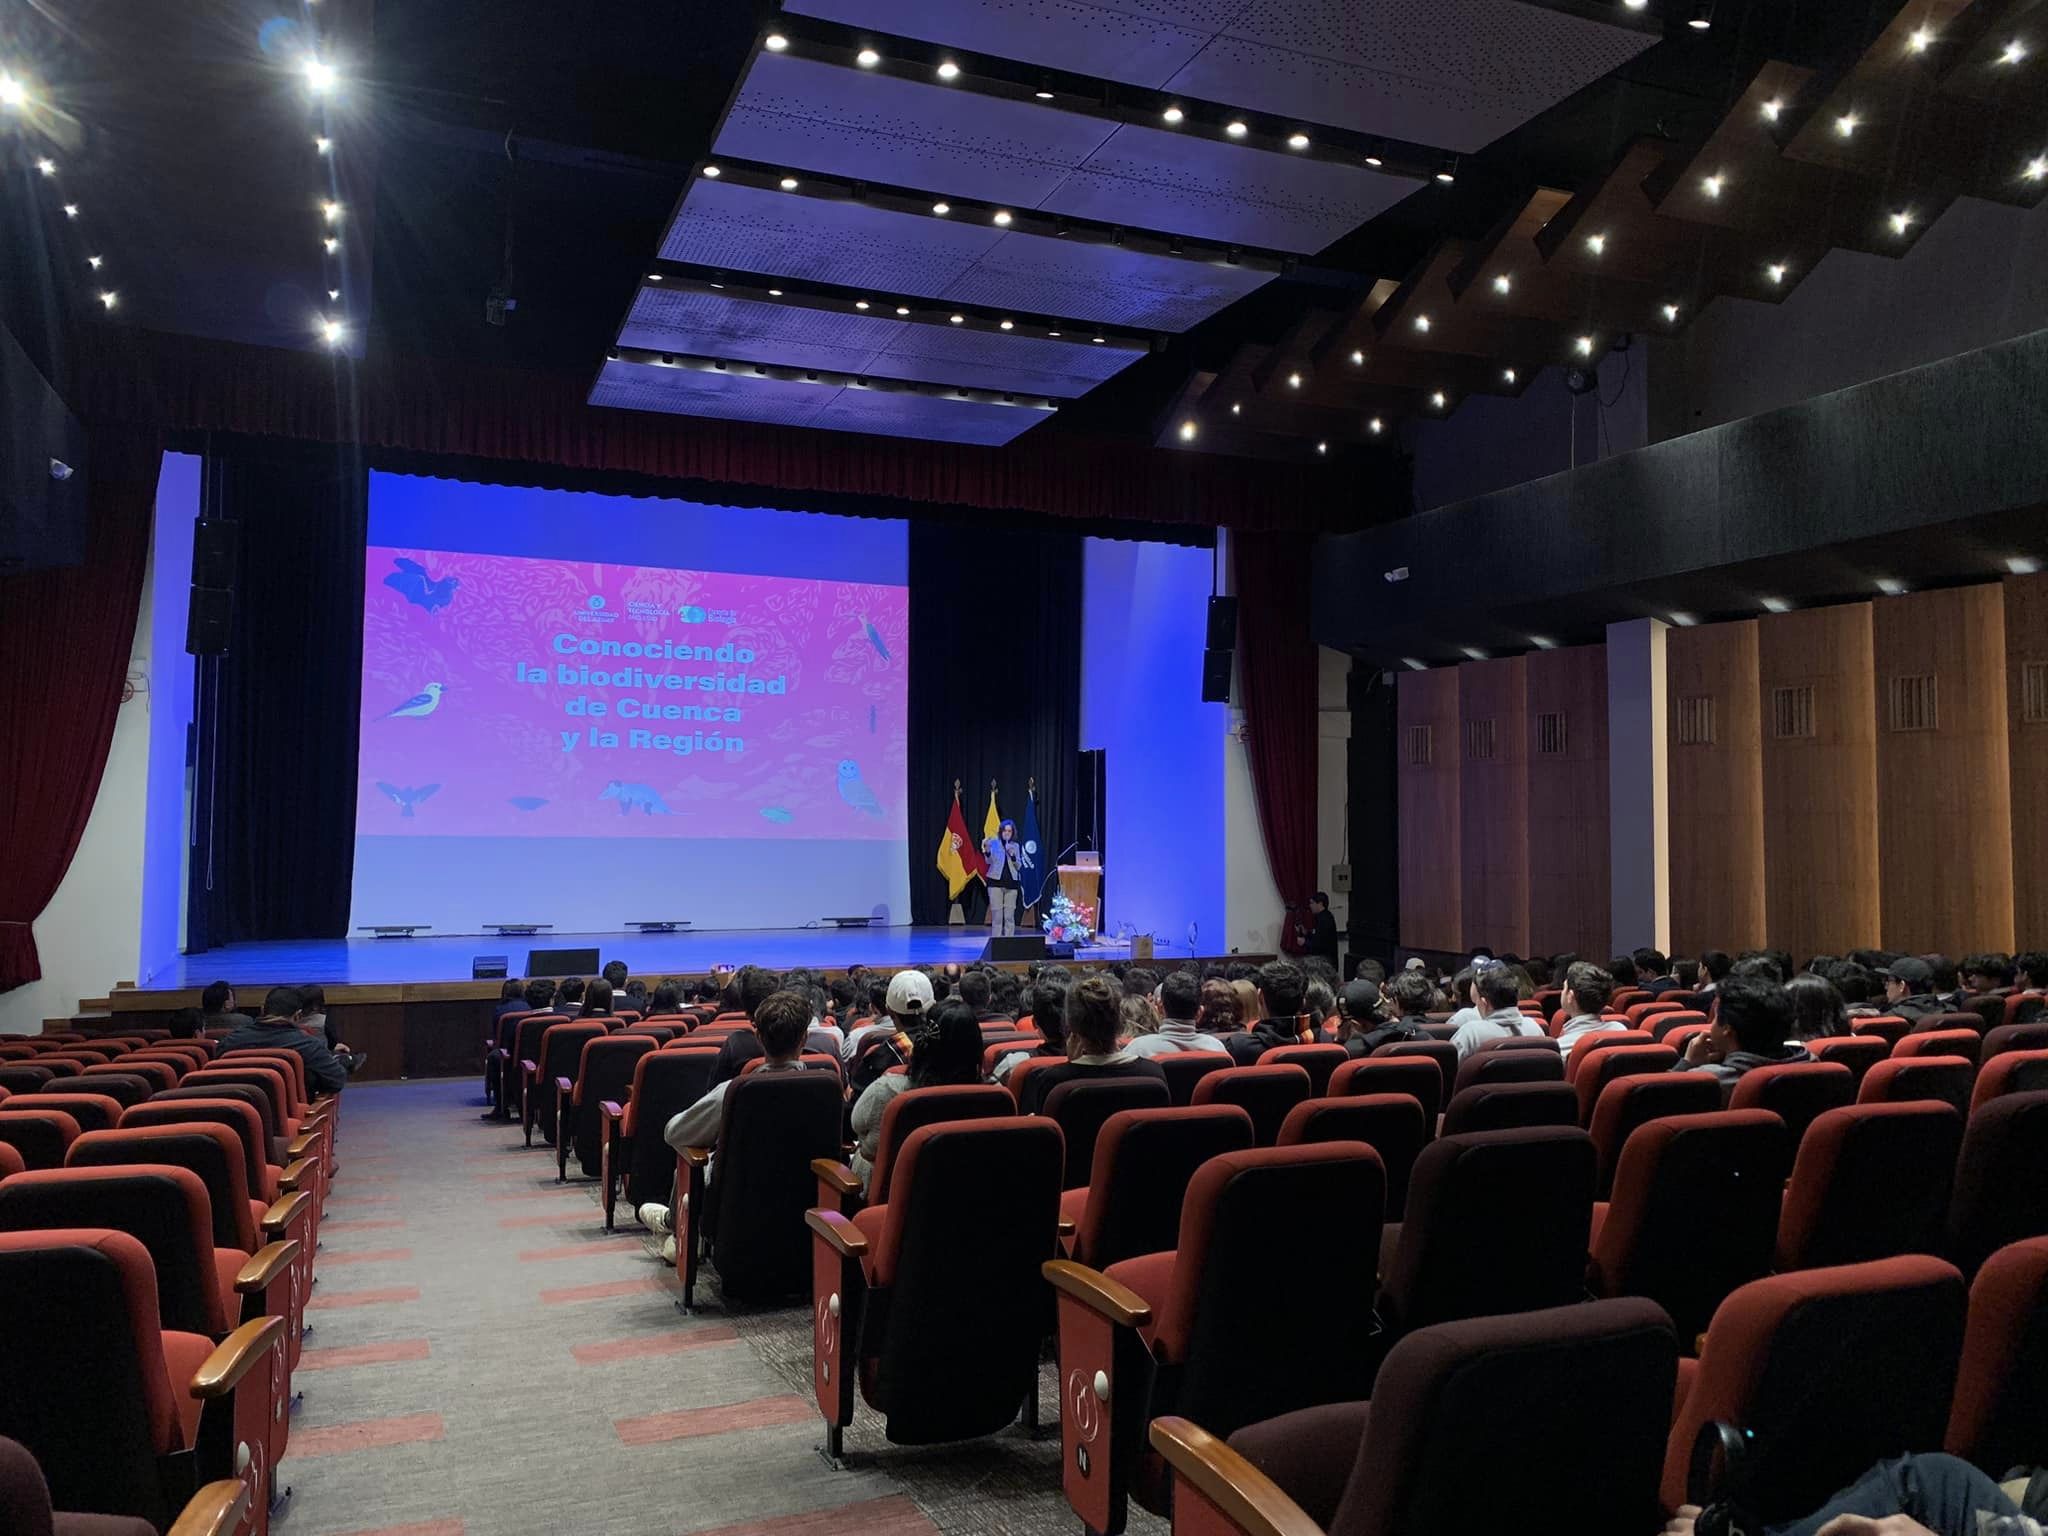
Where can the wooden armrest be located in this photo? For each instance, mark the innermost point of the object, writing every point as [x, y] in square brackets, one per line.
[279, 1218]
[294, 1177]
[214, 1510]
[264, 1266]
[696, 1157]
[301, 1144]
[1066, 1226]
[1244, 1495]
[1095, 1290]
[236, 1356]
[837, 1176]
[846, 1239]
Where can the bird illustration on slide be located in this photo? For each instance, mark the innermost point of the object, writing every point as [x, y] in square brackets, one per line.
[411, 581]
[644, 797]
[875, 638]
[853, 789]
[406, 799]
[425, 702]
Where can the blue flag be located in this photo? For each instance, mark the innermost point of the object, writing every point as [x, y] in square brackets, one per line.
[1032, 875]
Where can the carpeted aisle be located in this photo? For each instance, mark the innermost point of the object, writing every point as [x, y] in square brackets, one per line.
[486, 1361]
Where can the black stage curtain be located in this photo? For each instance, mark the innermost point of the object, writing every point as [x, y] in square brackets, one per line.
[995, 687]
[274, 806]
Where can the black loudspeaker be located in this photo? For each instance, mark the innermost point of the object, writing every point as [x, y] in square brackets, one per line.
[1222, 623]
[1216, 676]
[215, 547]
[1015, 946]
[489, 967]
[207, 618]
[561, 962]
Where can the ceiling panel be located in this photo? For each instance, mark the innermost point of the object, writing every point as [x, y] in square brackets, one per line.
[722, 224]
[1456, 74]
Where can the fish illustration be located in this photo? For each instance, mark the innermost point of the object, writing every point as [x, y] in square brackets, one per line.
[645, 796]
[874, 718]
[411, 581]
[425, 702]
[854, 790]
[778, 815]
[406, 799]
[526, 802]
[874, 638]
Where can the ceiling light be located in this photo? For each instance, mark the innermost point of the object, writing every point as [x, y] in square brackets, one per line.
[1414, 665]
[1902, 221]
[1472, 651]
[1584, 346]
[1847, 124]
[334, 295]
[867, 58]
[1775, 605]
[1438, 399]
[1052, 333]
[1375, 426]
[1685, 620]
[1236, 409]
[1422, 322]
[776, 42]
[323, 145]
[712, 171]
[1001, 218]
[331, 212]
[654, 277]
[330, 245]
[902, 309]
[957, 319]
[1508, 374]
[1776, 271]
[1187, 431]
[1098, 340]
[1635, 5]
[1891, 586]
[1236, 129]
[1042, 94]
[2036, 168]
[2014, 52]
[1772, 108]
[1374, 156]
[1447, 172]
[331, 332]
[109, 298]
[1294, 381]
[1006, 325]
[1502, 283]
[1297, 141]
[95, 262]
[860, 303]
[1357, 359]
[2022, 565]
[717, 284]
[1596, 243]
[1702, 18]
[948, 70]
[13, 94]
[1671, 312]
[47, 166]
[942, 209]
[1918, 42]
[788, 183]
[71, 210]
[1322, 447]
[320, 76]
[1712, 185]
[774, 293]
[1543, 642]
[1173, 116]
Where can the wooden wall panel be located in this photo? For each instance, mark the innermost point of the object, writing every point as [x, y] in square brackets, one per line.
[1428, 797]
[1820, 788]
[1493, 793]
[1568, 828]
[1716, 790]
[2026, 644]
[1943, 775]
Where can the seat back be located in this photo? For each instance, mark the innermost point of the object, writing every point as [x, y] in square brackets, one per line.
[1144, 1161]
[1829, 1371]
[1504, 1106]
[2010, 1072]
[1967, 1019]
[269, 1079]
[1719, 1172]
[604, 1072]
[1264, 1093]
[290, 1064]
[2000, 1417]
[1859, 1053]
[1248, 1218]
[1390, 1123]
[1610, 1363]
[1507, 1067]
[1184, 1069]
[915, 1108]
[241, 1093]
[1591, 1076]
[1904, 1079]
[1966, 1043]
[1413, 1076]
[2000, 1196]
[1629, 1102]
[39, 1135]
[1795, 1092]
[774, 1124]
[946, 1248]
[1870, 1181]
[1885, 1026]
[561, 1050]
[1319, 1061]
[157, 1074]
[162, 1207]
[123, 1088]
[2020, 1008]
[1587, 1048]
[21, 1077]
[239, 1117]
[665, 1083]
[526, 1037]
[92, 1111]
[1442, 1052]
[2015, 1037]
[1661, 1025]
[1081, 1107]
[212, 1152]
[1497, 1222]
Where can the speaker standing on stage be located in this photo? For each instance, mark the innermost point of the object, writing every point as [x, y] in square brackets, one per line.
[1005, 860]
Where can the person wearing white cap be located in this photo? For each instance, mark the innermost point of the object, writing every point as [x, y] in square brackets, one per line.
[909, 1000]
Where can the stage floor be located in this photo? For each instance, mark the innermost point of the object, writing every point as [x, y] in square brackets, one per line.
[448, 957]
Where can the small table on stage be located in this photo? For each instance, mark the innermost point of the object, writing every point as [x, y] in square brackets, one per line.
[1083, 883]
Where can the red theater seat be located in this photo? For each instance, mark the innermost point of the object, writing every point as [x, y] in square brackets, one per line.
[911, 1110]
[1966, 1043]
[158, 1074]
[123, 1088]
[1590, 1077]
[1418, 1079]
[561, 1048]
[2000, 1417]
[1264, 1093]
[525, 1058]
[92, 1111]
[1662, 1025]
[603, 1073]
[24, 1077]
[1629, 1102]
[1796, 1092]
[1507, 1067]
[39, 1135]
[1859, 1053]
[1885, 1026]
[218, 1509]
[1081, 1108]
[1390, 1123]
[1442, 1052]
[2015, 1037]
[1184, 1069]
[2010, 1072]
[1504, 1106]
[2000, 1196]
[665, 1083]
[1144, 1162]
[1591, 1046]
[1319, 1061]
[1869, 1181]
[1906, 1079]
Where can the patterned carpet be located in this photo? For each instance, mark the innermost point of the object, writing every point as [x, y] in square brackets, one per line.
[485, 1361]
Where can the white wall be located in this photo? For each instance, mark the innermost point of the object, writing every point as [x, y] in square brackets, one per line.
[1333, 773]
[1252, 909]
[168, 671]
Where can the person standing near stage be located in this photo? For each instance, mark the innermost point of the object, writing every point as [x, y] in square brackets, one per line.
[1005, 860]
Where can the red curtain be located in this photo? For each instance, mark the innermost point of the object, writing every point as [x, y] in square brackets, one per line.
[521, 415]
[65, 639]
[1277, 685]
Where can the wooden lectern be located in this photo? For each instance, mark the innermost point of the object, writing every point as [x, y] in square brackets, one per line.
[1083, 883]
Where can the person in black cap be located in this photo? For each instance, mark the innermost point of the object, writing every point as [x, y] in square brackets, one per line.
[1909, 989]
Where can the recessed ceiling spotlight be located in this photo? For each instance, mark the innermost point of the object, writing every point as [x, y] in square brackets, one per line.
[775, 42]
[330, 245]
[942, 209]
[1583, 346]
[1472, 651]
[654, 277]
[47, 166]
[1775, 605]
[2022, 565]
[71, 210]
[13, 94]
[1596, 243]
[957, 319]
[1635, 5]
[1422, 322]
[1412, 664]
[1776, 271]
[1042, 94]
[2014, 52]
[1236, 408]
[2036, 168]
[1701, 19]
[860, 303]
[1447, 172]
[1902, 221]
[1297, 140]
[334, 295]
[1847, 124]
[948, 70]
[1006, 325]
[1712, 185]
[774, 293]
[1772, 109]
[331, 211]
[1294, 381]
[867, 58]
[1685, 620]
[1671, 312]
[1236, 128]
[1375, 154]
[902, 309]
[1543, 642]
[1375, 426]
[1918, 42]
[322, 145]
[1439, 400]
[95, 262]
[1054, 334]
[1508, 375]
[1099, 340]
[1173, 116]
[1891, 586]
[1322, 447]
[109, 298]
[1502, 283]
[331, 332]
[1188, 430]
[713, 172]
[788, 183]
[1001, 218]
[1357, 359]
[320, 75]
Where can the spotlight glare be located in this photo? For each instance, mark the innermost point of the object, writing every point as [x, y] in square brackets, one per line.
[1918, 42]
[713, 172]
[1236, 129]
[1508, 374]
[1702, 18]
[1375, 426]
[1891, 586]
[1188, 430]
[902, 309]
[957, 319]
[1006, 325]
[1635, 5]
[788, 183]
[47, 166]
[334, 295]
[71, 210]
[1322, 447]
[2036, 168]
[1671, 312]
[948, 70]
[867, 58]
[1776, 271]
[2022, 565]
[774, 293]
[13, 94]
[1042, 95]
[1775, 605]
[1596, 243]
[331, 212]
[1000, 218]
[1297, 141]
[331, 245]
[1847, 124]
[1446, 176]
[1375, 161]
[1422, 322]
[323, 145]
[942, 209]
[1439, 399]
[1902, 221]
[1357, 359]
[776, 42]
[331, 332]
[860, 303]
[1772, 109]
[1584, 346]
[109, 298]
[95, 262]
[1294, 381]
[1173, 116]
[2014, 52]
[320, 75]
[1503, 283]
[1099, 340]
[1236, 408]
[1712, 185]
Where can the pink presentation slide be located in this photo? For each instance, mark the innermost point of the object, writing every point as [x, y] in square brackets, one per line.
[507, 696]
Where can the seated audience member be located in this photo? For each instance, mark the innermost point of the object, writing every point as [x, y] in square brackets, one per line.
[1092, 1017]
[635, 995]
[945, 1050]
[945, 979]
[780, 1020]
[186, 1024]
[615, 974]
[597, 1000]
[1137, 1019]
[1587, 989]
[1282, 991]
[906, 1002]
[1752, 1028]
[1983, 975]
[663, 1001]
[2030, 973]
[511, 998]
[1623, 969]
[1363, 1009]
[278, 1029]
[1909, 989]
[1319, 1002]
[1499, 1018]
[569, 996]
[1818, 1010]
[824, 1036]
[217, 1007]
[1759, 965]
[314, 1021]
[1687, 974]
[540, 994]
[1180, 1004]
[1249, 1012]
[752, 986]
[1714, 968]
[1218, 1014]
[977, 991]
[1651, 973]
[1927, 1494]
[1465, 997]
[1139, 981]
[1861, 991]
[1369, 969]
[1948, 987]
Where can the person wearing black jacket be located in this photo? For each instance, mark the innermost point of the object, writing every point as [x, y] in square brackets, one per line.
[1322, 938]
[1283, 986]
[279, 1029]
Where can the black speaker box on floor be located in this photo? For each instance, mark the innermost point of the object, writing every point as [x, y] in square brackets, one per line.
[1015, 946]
[561, 962]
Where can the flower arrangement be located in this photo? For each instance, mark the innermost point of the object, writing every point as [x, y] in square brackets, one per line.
[1069, 921]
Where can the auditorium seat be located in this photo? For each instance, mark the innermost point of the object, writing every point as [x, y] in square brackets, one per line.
[497, 1051]
[1824, 1372]
[1171, 1332]
[525, 1056]
[1390, 1123]
[809, 1061]
[1264, 1093]
[1870, 1181]
[2000, 1196]
[1903, 1079]
[1403, 1463]
[180, 1062]
[1506, 1067]
[92, 1111]
[1021, 1073]
[1080, 1108]
[2021, 1008]
[1589, 1047]
[1144, 1161]
[603, 1072]
[1966, 1043]
[561, 1048]
[272, 1146]
[158, 1074]
[1319, 1061]
[1715, 1173]
[124, 1416]
[1628, 1102]
[1442, 1052]
[238, 1115]
[1859, 1053]
[1184, 1069]
[1662, 1026]
[911, 1110]
[1795, 1092]
[11, 1161]
[1418, 1079]
[218, 1509]
[1679, 1036]
[775, 1126]
[1965, 1021]
[2010, 1072]
[2015, 1037]
[1503, 1106]
[636, 1158]
[39, 1135]
[123, 1088]
[1519, 1043]
[2000, 1417]
[901, 1294]
[22, 1077]
[1496, 1221]
[10, 1051]
[1886, 1026]
[1589, 1078]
